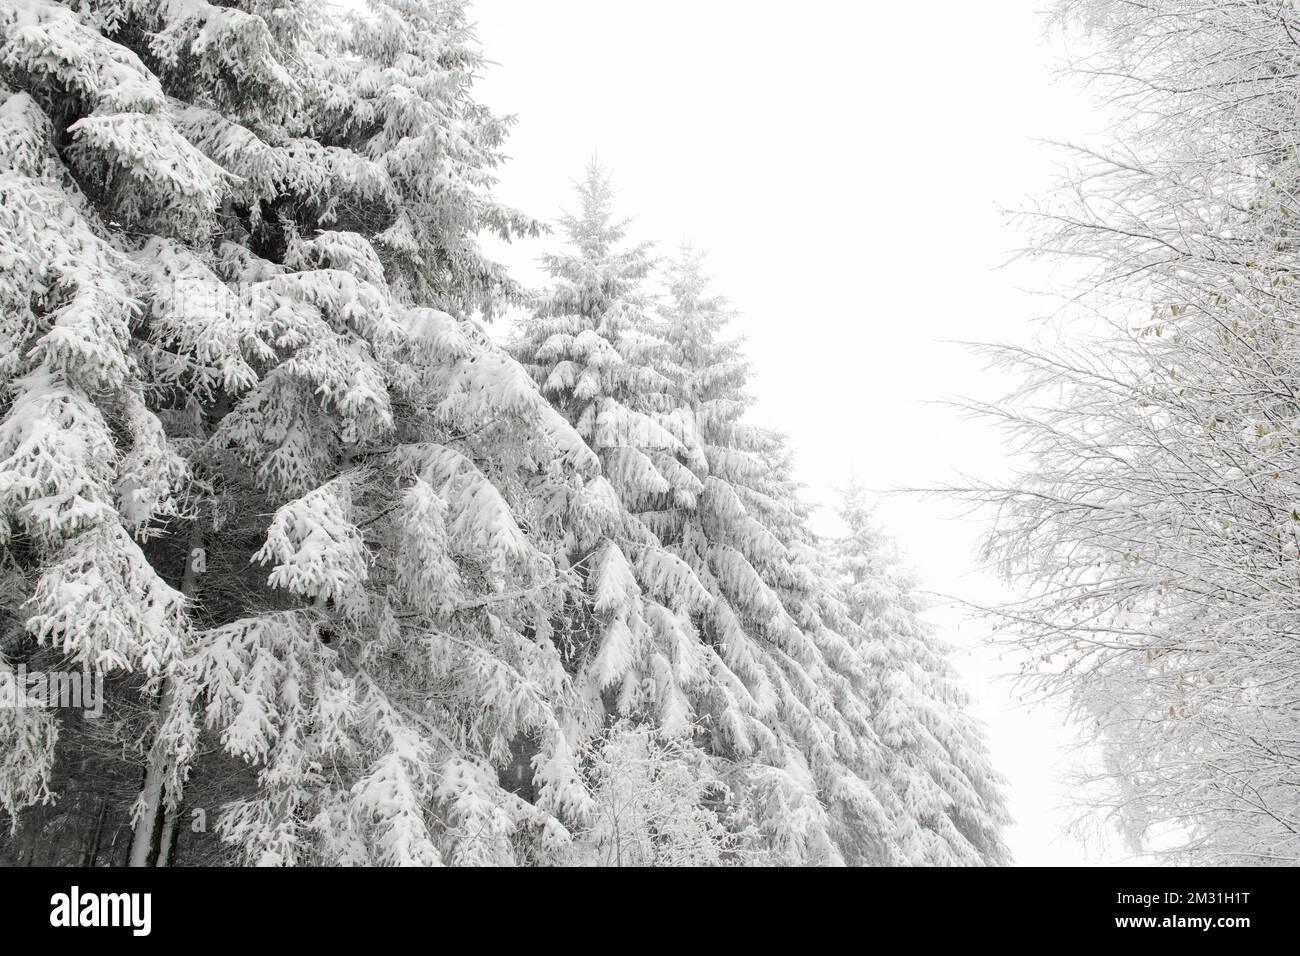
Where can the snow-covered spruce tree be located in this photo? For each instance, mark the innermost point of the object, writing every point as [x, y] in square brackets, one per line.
[86, 472]
[809, 758]
[643, 672]
[936, 759]
[769, 711]
[590, 348]
[254, 453]
[762, 664]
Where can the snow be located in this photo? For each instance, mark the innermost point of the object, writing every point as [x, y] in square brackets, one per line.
[434, 600]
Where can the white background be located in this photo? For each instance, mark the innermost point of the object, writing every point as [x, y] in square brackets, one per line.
[844, 164]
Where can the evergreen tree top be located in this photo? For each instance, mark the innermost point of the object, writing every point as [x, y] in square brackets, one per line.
[599, 268]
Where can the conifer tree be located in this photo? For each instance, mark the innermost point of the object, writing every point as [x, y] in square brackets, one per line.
[257, 462]
[591, 349]
[934, 750]
[790, 710]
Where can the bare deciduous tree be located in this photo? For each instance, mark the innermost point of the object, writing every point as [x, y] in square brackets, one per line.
[1155, 523]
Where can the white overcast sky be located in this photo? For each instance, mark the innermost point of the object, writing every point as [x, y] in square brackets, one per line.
[843, 164]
